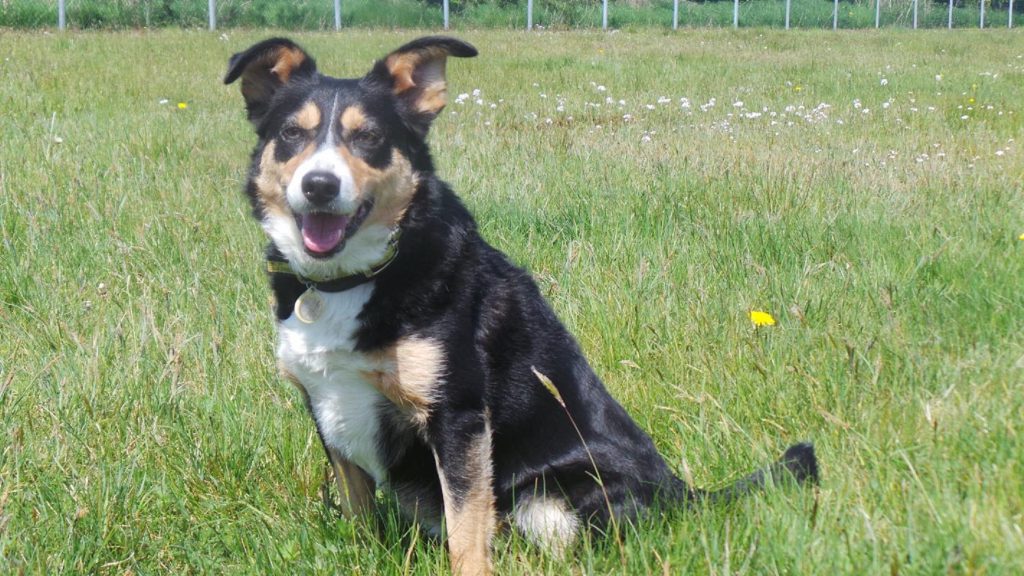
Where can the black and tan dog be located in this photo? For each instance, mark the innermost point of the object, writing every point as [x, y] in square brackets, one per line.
[431, 365]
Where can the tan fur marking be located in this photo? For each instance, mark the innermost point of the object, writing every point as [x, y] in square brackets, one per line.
[392, 188]
[364, 175]
[261, 76]
[434, 98]
[353, 118]
[274, 177]
[308, 118]
[355, 486]
[401, 67]
[287, 60]
[470, 518]
[414, 368]
[424, 69]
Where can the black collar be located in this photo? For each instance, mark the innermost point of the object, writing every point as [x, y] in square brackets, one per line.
[277, 265]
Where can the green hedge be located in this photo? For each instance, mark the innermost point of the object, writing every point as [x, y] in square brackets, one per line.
[319, 14]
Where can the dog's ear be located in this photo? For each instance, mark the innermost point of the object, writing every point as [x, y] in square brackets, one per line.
[266, 67]
[415, 74]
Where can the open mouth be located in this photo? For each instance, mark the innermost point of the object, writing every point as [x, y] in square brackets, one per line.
[324, 234]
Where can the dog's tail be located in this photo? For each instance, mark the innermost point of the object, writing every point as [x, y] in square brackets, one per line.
[799, 464]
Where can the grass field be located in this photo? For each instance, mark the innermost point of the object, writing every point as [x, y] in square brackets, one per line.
[863, 188]
[622, 14]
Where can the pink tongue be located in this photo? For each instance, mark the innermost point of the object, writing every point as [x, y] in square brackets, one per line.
[323, 232]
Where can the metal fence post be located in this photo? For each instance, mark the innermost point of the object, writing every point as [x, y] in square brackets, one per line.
[878, 12]
[445, 14]
[675, 14]
[981, 23]
[62, 19]
[529, 14]
[212, 8]
[950, 24]
[604, 15]
[1009, 16]
[736, 13]
[337, 15]
[835, 15]
[788, 3]
[915, 14]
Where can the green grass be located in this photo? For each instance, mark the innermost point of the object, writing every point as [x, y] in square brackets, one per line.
[143, 428]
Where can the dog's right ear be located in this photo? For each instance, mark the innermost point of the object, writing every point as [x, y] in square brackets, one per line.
[265, 68]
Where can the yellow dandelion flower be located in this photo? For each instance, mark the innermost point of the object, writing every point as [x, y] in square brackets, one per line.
[1021, 237]
[182, 105]
[761, 318]
[798, 88]
[970, 100]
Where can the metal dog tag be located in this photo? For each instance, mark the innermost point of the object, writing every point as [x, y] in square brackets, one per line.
[309, 307]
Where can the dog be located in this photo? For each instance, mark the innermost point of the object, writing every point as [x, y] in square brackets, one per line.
[431, 365]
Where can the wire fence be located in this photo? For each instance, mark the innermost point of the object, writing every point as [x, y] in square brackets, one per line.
[528, 14]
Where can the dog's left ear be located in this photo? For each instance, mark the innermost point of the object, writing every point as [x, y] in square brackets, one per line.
[266, 67]
[415, 74]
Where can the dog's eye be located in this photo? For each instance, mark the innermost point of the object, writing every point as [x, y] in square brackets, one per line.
[367, 138]
[293, 134]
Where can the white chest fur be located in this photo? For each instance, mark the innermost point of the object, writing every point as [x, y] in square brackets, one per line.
[344, 401]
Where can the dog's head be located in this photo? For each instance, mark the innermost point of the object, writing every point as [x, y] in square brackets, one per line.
[339, 160]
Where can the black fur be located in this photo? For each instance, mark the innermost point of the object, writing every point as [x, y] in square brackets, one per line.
[448, 284]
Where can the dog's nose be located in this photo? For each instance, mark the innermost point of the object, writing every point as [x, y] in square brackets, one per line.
[320, 187]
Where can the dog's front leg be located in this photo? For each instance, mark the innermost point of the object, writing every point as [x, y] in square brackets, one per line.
[462, 449]
[355, 487]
